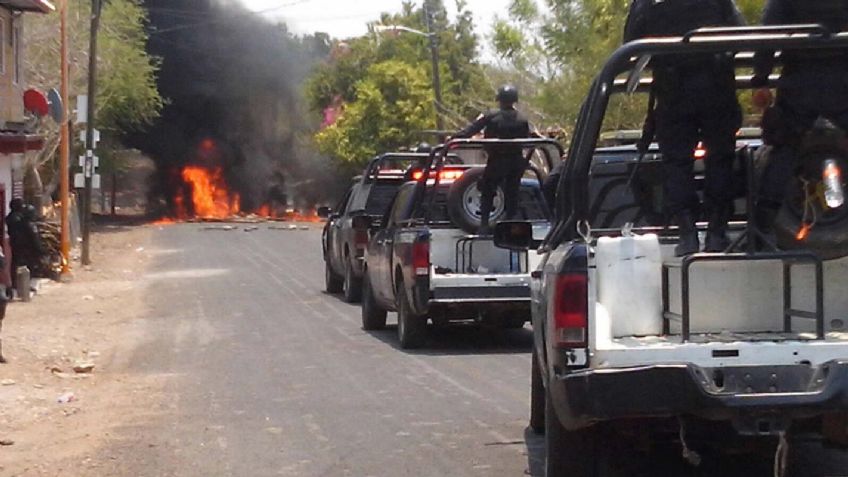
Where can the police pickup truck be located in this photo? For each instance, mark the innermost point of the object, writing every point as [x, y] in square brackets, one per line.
[427, 262]
[635, 349]
[359, 213]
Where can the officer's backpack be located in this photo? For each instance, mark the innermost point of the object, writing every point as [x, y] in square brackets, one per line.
[678, 17]
[833, 14]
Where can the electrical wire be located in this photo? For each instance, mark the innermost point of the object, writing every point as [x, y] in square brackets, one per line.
[221, 20]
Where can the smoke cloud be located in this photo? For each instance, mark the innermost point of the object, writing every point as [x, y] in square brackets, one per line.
[233, 81]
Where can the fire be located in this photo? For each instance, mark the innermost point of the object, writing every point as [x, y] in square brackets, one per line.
[209, 194]
[211, 199]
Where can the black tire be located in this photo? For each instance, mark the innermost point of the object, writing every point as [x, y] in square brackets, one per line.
[828, 240]
[373, 315]
[514, 322]
[568, 453]
[537, 396]
[332, 282]
[412, 328]
[463, 202]
[351, 286]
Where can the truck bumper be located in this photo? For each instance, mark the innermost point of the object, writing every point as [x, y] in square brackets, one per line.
[759, 400]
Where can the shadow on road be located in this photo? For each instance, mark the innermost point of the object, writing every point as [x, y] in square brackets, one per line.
[462, 339]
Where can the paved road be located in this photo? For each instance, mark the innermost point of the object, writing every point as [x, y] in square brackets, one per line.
[271, 376]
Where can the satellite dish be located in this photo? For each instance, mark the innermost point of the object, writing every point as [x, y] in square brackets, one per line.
[36, 103]
[57, 109]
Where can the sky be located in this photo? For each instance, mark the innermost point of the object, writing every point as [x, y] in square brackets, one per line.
[347, 18]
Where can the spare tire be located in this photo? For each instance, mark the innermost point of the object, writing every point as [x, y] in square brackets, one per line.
[828, 238]
[464, 201]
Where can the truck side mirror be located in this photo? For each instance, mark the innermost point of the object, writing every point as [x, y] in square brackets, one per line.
[361, 222]
[324, 212]
[514, 235]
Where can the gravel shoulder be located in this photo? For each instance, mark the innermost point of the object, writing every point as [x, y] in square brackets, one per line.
[97, 318]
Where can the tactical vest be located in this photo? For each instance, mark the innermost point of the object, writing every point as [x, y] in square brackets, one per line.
[678, 17]
[833, 14]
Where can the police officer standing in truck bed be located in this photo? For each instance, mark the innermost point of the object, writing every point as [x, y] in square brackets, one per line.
[506, 164]
[695, 101]
[812, 84]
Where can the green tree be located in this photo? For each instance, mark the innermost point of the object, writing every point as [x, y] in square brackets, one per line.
[393, 104]
[127, 98]
[348, 78]
[558, 50]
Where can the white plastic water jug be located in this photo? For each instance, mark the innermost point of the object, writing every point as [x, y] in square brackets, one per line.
[629, 273]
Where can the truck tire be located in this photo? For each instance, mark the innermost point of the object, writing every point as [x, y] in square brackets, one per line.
[537, 396]
[463, 201]
[332, 282]
[351, 286]
[373, 316]
[828, 239]
[412, 328]
[568, 453]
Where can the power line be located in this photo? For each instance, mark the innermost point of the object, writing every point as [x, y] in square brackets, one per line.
[222, 20]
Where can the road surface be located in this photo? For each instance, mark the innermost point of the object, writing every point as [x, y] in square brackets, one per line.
[268, 375]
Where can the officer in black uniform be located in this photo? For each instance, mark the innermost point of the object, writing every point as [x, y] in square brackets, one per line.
[506, 164]
[695, 101]
[813, 83]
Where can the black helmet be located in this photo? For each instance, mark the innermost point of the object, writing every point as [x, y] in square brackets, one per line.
[507, 94]
[16, 205]
[423, 147]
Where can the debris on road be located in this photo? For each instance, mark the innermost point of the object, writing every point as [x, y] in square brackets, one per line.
[83, 367]
[66, 398]
[7, 382]
[221, 227]
[7, 442]
[251, 229]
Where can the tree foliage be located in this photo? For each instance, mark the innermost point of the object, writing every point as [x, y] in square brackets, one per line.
[127, 96]
[557, 47]
[393, 102]
[356, 77]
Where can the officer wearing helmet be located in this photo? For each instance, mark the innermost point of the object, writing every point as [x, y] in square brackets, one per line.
[812, 84]
[695, 98]
[506, 164]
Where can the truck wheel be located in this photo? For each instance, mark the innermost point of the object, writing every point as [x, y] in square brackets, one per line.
[828, 238]
[537, 396]
[352, 286]
[412, 328]
[463, 202]
[568, 453]
[332, 282]
[373, 316]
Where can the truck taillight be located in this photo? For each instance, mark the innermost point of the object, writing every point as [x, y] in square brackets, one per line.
[360, 238]
[421, 258]
[571, 311]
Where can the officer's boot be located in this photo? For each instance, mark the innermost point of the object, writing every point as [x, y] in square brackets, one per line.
[689, 242]
[717, 240]
[485, 212]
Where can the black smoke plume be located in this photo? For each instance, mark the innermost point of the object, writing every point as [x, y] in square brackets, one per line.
[233, 82]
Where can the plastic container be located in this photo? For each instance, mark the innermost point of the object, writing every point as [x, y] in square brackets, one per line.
[629, 272]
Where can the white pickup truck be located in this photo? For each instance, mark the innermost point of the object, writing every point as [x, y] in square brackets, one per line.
[744, 350]
[427, 262]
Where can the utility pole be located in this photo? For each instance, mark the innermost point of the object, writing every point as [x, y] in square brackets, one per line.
[88, 169]
[65, 145]
[434, 56]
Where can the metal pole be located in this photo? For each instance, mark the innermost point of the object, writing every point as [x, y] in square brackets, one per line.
[434, 56]
[88, 170]
[64, 145]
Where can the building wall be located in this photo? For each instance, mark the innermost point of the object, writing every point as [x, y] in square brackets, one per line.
[11, 87]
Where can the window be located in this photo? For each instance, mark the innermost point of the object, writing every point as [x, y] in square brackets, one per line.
[17, 54]
[3, 46]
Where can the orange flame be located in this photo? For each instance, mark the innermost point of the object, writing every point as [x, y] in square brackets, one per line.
[209, 193]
